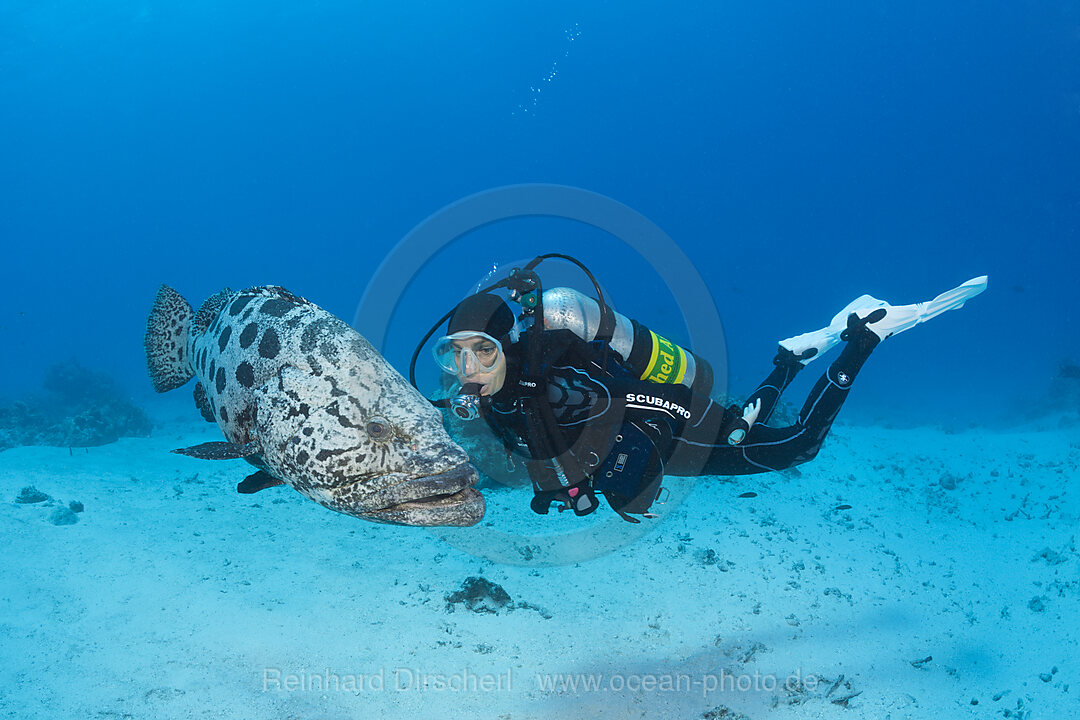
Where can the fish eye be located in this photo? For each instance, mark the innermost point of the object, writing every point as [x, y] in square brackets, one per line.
[379, 429]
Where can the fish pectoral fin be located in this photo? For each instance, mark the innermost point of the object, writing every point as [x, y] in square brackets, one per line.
[257, 481]
[219, 451]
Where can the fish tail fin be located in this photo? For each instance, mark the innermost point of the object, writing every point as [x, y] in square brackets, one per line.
[166, 340]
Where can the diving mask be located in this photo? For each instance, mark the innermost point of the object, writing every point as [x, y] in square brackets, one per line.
[467, 353]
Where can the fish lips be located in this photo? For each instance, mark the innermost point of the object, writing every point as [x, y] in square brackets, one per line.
[446, 498]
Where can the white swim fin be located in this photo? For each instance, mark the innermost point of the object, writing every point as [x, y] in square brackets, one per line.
[904, 317]
[897, 319]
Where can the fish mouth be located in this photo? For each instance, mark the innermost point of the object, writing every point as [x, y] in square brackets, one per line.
[444, 499]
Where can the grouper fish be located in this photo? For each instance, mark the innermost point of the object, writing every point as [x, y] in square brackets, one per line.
[308, 401]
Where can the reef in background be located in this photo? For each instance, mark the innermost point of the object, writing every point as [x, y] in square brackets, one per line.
[1064, 393]
[79, 408]
[1069, 370]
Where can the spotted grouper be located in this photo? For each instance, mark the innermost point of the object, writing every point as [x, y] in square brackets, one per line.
[303, 397]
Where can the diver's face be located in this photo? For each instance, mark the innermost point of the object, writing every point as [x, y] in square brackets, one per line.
[480, 361]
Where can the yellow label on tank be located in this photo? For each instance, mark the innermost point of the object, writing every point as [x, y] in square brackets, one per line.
[667, 363]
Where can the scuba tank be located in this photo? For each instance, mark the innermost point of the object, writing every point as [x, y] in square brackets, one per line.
[650, 356]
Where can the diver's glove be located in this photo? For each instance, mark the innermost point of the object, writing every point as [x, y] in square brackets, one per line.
[580, 498]
[743, 424]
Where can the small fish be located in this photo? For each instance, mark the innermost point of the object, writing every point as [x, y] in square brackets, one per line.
[309, 402]
[843, 507]
[748, 495]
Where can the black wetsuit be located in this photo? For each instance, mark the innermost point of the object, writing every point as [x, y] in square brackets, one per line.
[700, 449]
[623, 434]
[592, 398]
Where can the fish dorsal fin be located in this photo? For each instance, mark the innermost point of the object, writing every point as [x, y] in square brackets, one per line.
[278, 292]
[219, 451]
[203, 403]
[209, 309]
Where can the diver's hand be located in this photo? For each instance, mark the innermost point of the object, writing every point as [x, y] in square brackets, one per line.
[580, 498]
[744, 423]
[751, 412]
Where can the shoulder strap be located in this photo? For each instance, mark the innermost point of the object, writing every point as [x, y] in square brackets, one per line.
[606, 330]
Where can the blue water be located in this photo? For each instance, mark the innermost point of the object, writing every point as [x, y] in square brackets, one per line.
[800, 155]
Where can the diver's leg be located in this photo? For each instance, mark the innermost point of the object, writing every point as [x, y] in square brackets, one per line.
[787, 365]
[797, 352]
[702, 448]
[869, 322]
[766, 448]
[825, 399]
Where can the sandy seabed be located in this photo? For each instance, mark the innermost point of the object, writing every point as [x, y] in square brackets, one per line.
[902, 574]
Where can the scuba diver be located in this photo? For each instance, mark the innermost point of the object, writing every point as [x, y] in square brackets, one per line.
[598, 403]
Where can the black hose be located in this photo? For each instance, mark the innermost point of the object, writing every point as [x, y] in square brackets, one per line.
[604, 310]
